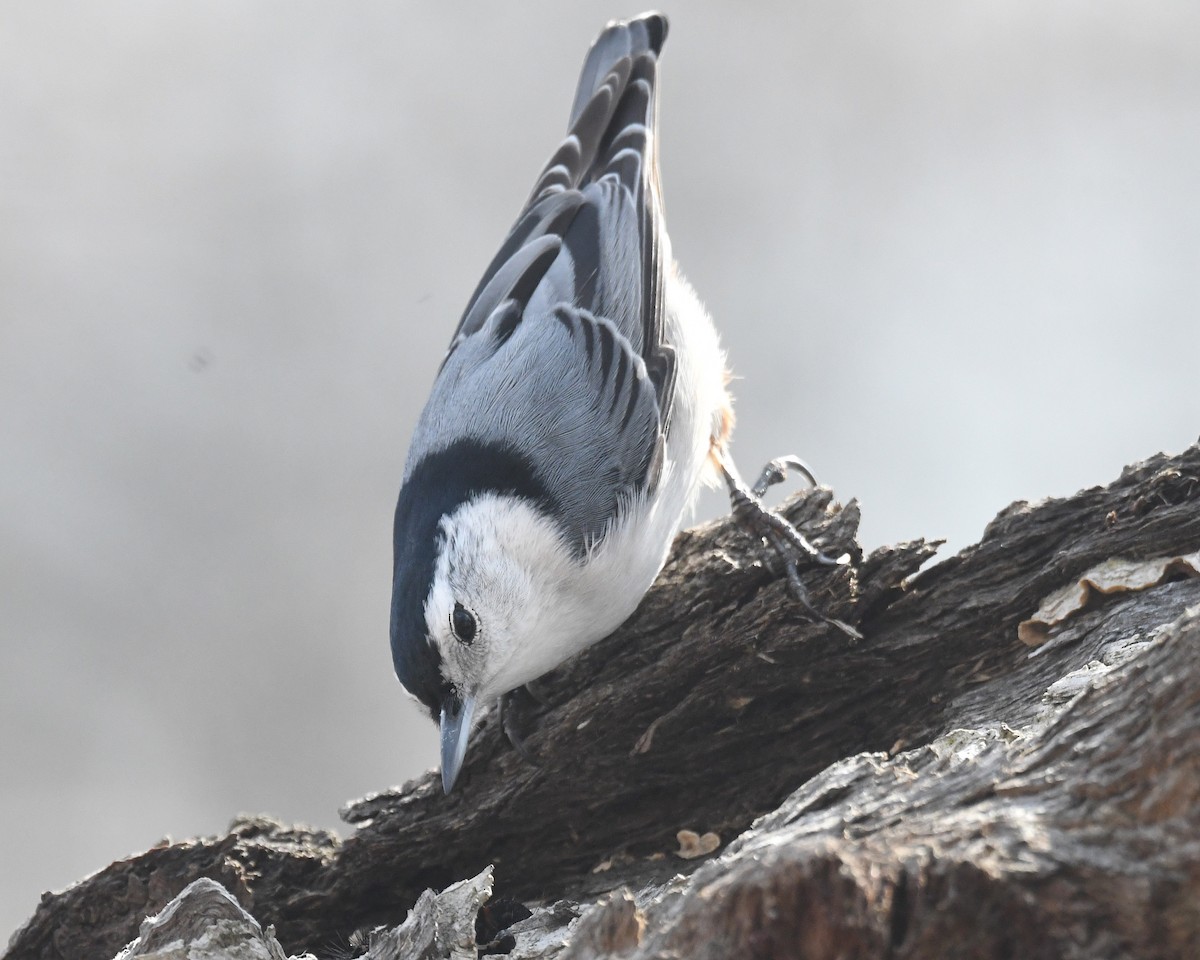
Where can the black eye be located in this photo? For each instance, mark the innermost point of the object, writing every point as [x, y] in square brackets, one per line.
[462, 622]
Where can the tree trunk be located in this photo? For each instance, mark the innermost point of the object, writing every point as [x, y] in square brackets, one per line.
[936, 789]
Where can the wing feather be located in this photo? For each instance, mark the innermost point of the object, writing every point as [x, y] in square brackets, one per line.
[568, 391]
[574, 299]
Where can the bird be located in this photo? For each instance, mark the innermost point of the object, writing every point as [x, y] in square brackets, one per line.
[583, 400]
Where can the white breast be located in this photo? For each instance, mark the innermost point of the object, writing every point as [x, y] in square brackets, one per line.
[538, 602]
[596, 596]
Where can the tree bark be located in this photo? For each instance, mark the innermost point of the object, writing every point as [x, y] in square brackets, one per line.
[936, 789]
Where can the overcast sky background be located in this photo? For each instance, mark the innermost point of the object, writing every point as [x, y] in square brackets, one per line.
[953, 249]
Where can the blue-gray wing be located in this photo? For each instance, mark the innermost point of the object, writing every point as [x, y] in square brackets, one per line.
[564, 392]
[591, 234]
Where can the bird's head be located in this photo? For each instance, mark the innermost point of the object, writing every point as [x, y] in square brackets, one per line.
[479, 602]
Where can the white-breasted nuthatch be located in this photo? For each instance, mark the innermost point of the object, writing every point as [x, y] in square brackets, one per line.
[581, 402]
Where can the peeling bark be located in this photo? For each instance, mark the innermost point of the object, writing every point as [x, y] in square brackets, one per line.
[937, 789]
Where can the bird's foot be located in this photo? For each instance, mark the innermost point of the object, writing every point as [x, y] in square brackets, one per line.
[776, 472]
[788, 543]
[514, 706]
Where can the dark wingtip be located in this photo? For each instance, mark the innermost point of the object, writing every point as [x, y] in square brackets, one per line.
[656, 25]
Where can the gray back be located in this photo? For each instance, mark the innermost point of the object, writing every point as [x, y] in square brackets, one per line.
[560, 354]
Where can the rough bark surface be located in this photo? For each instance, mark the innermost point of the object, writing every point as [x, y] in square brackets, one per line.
[936, 789]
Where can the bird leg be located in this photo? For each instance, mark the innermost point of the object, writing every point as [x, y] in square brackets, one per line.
[749, 510]
[787, 542]
[512, 709]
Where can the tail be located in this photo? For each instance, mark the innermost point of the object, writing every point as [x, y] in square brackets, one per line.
[611, 137]
[621, 38]
[614, 108]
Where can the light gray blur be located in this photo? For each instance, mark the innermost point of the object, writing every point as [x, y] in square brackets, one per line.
[953, 250]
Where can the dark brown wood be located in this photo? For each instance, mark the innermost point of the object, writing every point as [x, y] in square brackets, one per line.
[1077, 835]
[719, 699]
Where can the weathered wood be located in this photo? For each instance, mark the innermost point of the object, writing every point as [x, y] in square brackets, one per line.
[205, 920]
[260, 861]
[1076, 836]
[719, 699]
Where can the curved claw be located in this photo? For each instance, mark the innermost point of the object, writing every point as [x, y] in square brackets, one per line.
[776, 472]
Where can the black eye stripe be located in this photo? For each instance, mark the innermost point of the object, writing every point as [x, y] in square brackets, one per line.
[463, 623]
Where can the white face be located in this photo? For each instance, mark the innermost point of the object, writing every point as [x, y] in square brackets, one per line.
[502, 603]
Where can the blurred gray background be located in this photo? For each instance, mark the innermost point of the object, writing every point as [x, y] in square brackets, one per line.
[953, 250]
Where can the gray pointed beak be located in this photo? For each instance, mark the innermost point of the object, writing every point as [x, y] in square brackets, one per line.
[456, 731]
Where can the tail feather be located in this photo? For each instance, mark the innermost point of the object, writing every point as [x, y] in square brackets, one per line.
[594, 216]
[614, 103]
[620, 39]
[577, 152]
